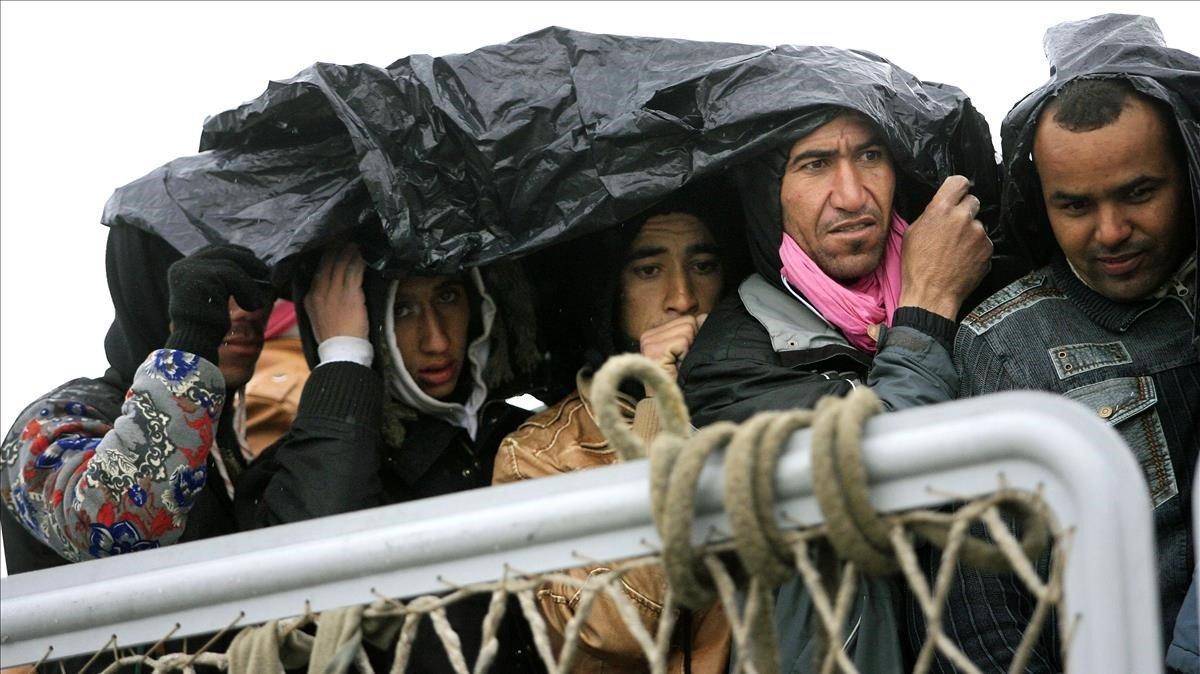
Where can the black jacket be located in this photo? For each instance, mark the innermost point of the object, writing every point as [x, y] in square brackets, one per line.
[337, 458]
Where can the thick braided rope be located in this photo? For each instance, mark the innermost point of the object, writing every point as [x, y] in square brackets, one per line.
[668, 398]
[856, 531]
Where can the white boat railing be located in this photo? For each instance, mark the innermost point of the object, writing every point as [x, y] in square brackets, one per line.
[918, 458]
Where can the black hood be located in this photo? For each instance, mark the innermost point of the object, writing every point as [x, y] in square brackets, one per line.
[136, 263]
[1107, 46]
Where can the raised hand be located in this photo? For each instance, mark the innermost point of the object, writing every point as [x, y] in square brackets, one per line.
[946, 251]
[335, 302]
[668, 343]
[201, 285]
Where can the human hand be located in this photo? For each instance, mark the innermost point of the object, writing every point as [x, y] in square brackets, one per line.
[200, 286]
[668, 343]
[335, 301]
[946, 252]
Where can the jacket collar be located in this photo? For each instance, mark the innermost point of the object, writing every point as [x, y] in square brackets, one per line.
[799, 334]
[1110, 315]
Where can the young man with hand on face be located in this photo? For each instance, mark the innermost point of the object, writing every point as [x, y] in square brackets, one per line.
[669, 272]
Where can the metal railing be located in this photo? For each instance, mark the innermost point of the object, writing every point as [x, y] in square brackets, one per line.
[918, 458]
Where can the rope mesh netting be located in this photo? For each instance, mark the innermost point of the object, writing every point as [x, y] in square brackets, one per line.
[739, 569]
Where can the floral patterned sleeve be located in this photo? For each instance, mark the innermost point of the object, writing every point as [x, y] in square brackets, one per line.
[91, 486]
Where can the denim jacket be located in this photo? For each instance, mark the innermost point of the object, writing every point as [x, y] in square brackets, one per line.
[1136, 366]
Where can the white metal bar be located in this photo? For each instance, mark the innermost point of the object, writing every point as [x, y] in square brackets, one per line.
[1089, 477]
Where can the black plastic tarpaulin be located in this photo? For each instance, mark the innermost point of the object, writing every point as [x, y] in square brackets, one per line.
[465, 159]
[1110, 45]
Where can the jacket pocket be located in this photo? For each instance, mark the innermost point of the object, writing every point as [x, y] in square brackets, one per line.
[1073, 359]
[1128, 405]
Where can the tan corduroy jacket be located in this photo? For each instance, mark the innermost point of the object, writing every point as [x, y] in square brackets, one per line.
[565, 438]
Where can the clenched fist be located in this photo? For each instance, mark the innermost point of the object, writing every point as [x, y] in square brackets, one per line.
[946, 252]
[668, 343]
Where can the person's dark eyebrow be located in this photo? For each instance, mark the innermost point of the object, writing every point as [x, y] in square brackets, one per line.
[1060, 196]
[1140, 181]
[811, 154]
[824, 153]
[1119, 190]
[451, 283]
[703, 248]
[643, 252]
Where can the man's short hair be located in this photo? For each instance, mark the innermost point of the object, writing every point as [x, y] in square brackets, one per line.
[1087, 105]
[1083, 105]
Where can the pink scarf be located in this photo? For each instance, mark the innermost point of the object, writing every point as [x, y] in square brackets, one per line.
[868, 301]
[283, 317]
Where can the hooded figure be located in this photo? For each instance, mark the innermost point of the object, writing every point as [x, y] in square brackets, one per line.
[847, 293]
[405, 401]
[82, 459]
[1101, 190]
[80, 491]
[647, 286]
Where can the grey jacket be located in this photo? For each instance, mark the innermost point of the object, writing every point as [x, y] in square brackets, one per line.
[767, 348]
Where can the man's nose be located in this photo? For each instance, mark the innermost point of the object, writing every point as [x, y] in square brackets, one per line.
[681, 298]
[1112, 228]
[433, 334]
[849, 193]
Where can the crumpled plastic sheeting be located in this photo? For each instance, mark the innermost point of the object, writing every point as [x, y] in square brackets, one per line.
[1110, 45]
[474, 157]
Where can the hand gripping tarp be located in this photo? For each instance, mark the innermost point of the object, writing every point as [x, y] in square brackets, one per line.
[466, 159]
[1111, 45]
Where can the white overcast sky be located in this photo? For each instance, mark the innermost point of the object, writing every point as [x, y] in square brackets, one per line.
[95, 95]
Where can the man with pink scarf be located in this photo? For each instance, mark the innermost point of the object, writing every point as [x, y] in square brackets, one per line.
[847, 293]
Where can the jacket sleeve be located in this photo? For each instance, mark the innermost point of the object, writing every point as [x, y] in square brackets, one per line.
[91, 485]
[733, 371]
[913, 366]
[328, 462]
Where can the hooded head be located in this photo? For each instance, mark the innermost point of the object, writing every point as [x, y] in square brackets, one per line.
[136, 264]
[676, 258]
[1113, 176]
[1127, 48]
[832, 186]
[437, 341]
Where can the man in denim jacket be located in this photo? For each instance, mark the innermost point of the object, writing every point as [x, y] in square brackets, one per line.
[1108, 322]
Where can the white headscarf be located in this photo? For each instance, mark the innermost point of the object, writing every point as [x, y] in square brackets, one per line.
[465, 416]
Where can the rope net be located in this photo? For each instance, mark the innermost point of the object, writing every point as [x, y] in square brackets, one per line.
[738, 570]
